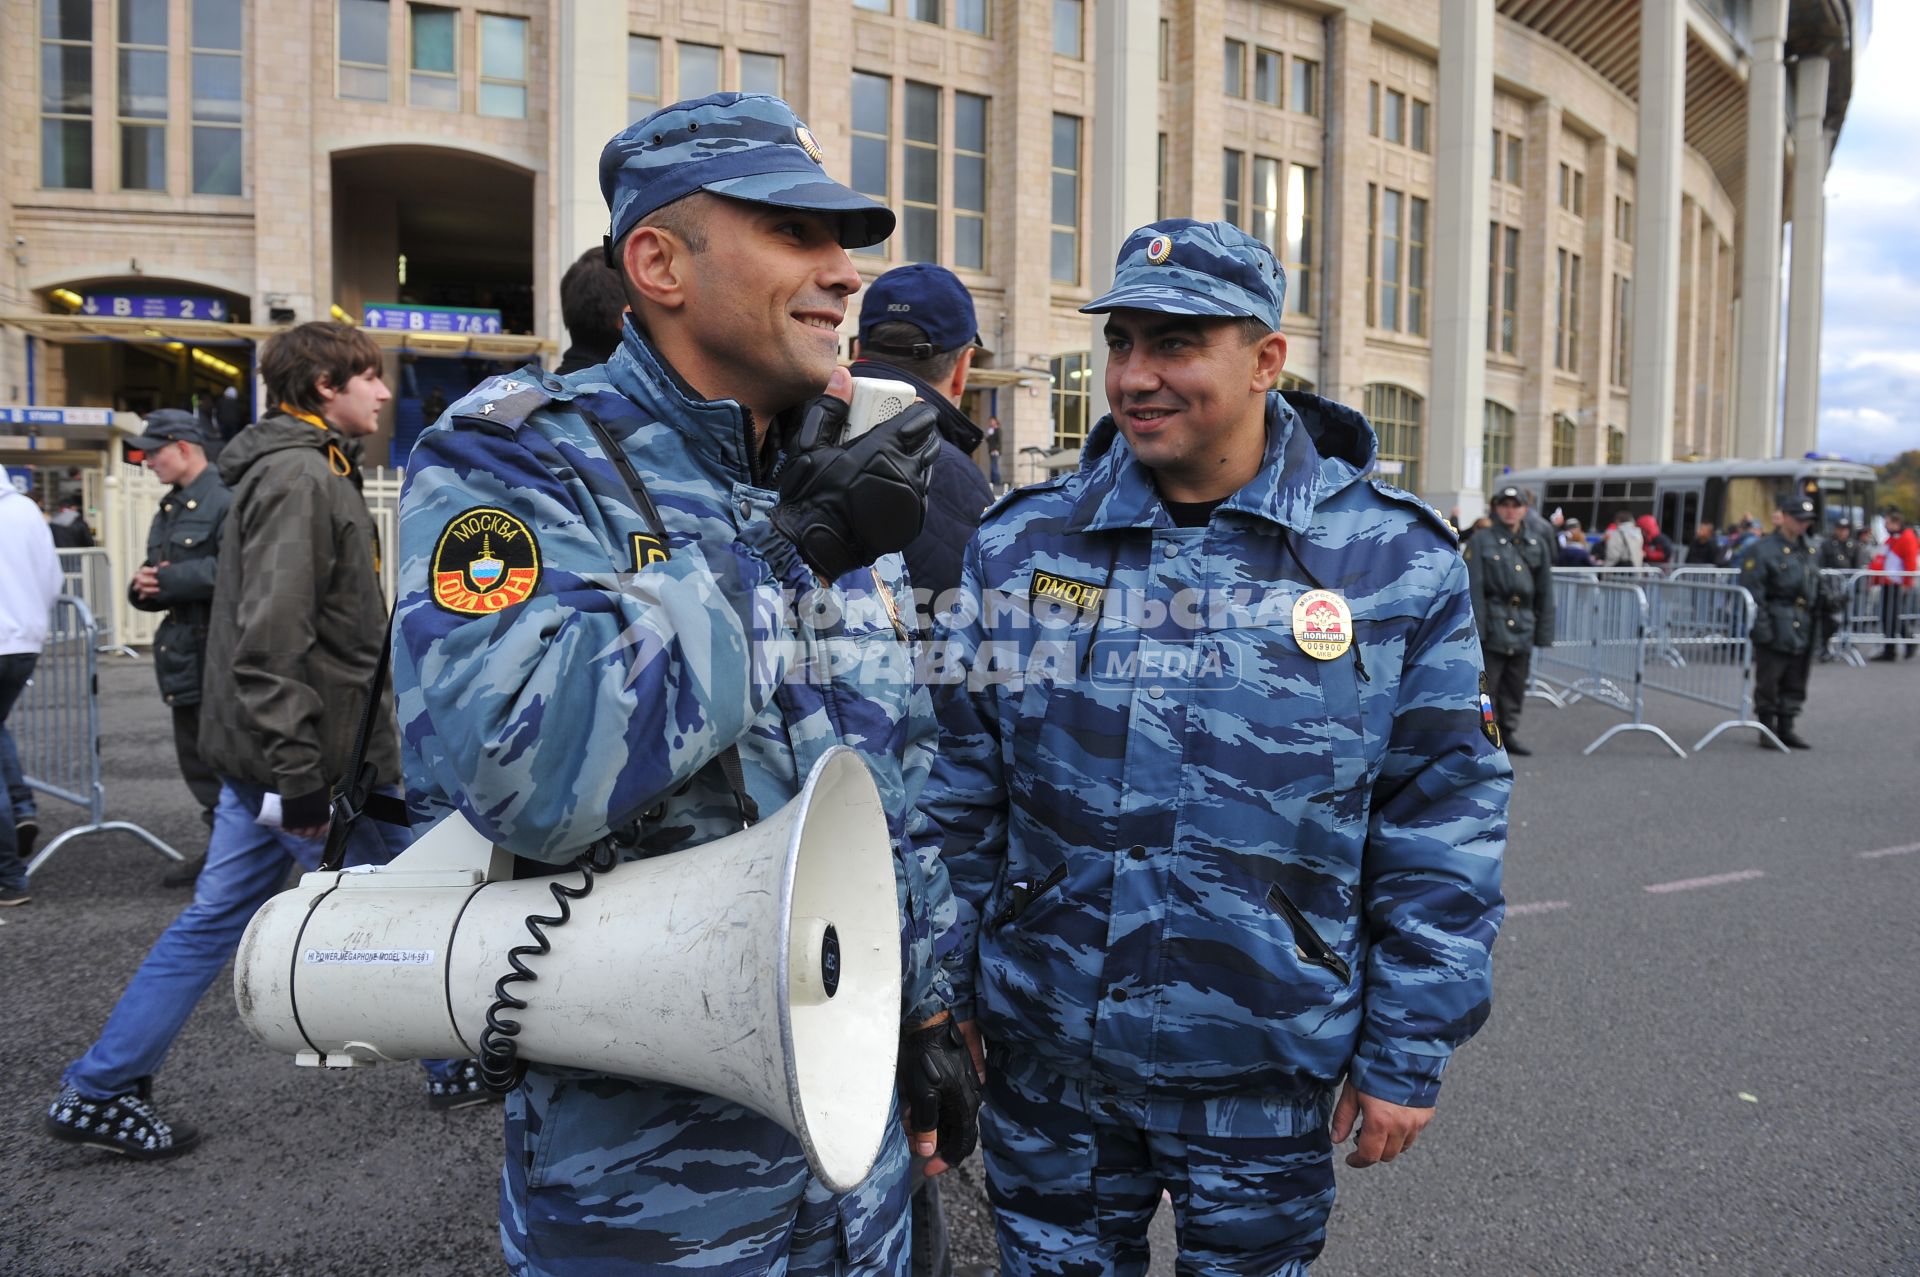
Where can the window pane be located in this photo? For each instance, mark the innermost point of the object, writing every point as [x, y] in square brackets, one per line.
[920, 231]
[1513, 161]
[66, 79]
[924, 10]
[363, 33]
[66, 154]
[761, 73]
[1064, 264]
[1232, 170]
[143, 157]
[503, 47]
[969, 122]
[922, 173]
[216, 87]
[970, 15]
[433, 39]
[1419, 129]
[143, 21]
[143, 85]
[365, 83]
[504, 101]
[1066, 141]
[1266, 202]
[1066, 199]
[216, 24]
[643, 67]
[970, 183]
[438, 92]
[870, 103]
[216, 161]
[1066, 27]
[923, 114]
[699, 71]
[870, 167]
[1266, 76]
[1396, 115]
[66, 19]
[1235, 84]
[1306, 86]
[970, 243]
[878, 6]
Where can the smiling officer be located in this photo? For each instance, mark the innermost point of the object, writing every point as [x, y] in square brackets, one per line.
[1233, 832]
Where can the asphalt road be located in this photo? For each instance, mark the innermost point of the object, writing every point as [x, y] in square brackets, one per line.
[1702, 1057]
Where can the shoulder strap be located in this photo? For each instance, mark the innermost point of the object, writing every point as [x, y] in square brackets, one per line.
[354, 794]
[728, 760]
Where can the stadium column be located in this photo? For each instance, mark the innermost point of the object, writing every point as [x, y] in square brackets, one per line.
[1020, 233]
[1126, 114]
[1456, 423]
[1656, 251]
[1756, 410]
[1802, 431]
[591, 40]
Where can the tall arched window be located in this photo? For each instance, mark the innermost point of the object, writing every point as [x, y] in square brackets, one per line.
[1397, 415]
[1563, 436]
[1496, 446]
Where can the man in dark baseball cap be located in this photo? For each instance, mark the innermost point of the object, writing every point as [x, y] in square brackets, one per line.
[917, 325]
[168, 425]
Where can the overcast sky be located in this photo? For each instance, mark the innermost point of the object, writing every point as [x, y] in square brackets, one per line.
[1870, 343]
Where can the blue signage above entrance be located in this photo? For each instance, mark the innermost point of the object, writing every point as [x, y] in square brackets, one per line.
[124, 306]
[402, 317]
[56, 416]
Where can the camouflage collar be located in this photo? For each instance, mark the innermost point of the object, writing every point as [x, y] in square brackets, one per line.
[718, 431]
[1307, 460]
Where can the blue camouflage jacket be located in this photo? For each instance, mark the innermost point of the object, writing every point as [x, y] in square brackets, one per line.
[1196, 866]
[587, 691]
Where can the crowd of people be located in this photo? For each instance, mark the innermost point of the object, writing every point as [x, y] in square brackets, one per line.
[1157, 938]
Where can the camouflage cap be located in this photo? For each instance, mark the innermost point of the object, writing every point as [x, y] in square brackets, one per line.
[746, 146]
[1182, 267]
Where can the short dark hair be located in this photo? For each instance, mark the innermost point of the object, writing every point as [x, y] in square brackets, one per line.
[899, 333]
[1253, 329]
[685, 218]
[592, 302]
[294, 363]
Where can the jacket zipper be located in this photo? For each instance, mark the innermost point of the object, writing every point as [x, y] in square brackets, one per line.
[1307, 941]
[1023, 895]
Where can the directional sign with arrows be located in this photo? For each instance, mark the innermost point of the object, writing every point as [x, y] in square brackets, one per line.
[126, 306]
[407, 317]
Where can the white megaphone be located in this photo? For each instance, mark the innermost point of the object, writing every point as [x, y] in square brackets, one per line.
[763, 967]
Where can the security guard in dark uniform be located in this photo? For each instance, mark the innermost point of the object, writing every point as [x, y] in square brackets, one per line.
[177, 578]
[1782, 574]
[1511, 570]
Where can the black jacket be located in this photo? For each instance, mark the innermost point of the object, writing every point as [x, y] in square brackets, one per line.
[956, 498]
[184, 535]
[1511, 573]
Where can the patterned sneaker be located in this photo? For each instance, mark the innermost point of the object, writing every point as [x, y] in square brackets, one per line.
[11, 896]
[463, 1089]
[127, 1124]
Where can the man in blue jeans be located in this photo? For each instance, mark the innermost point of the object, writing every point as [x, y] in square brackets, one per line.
[297, 630]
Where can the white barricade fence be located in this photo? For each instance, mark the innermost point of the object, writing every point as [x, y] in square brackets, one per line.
[1880, 613]
[133, 497]
[1698, 649]
[56, 728]
[1599, 651]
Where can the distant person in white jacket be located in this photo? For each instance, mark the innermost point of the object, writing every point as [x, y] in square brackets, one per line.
[1624, 547]
[29, 581]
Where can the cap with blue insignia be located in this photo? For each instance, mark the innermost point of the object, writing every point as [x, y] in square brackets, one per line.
[163, 426]
[745, 146]
[1182, 267]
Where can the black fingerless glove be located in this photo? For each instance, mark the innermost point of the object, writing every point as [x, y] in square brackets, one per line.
[937, 1082]
[844, 507]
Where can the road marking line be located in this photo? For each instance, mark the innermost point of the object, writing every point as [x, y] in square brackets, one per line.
[1538, 906]
[1713, 880]
[1907, 850]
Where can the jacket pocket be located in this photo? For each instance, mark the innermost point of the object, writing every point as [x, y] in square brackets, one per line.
[1021, 895]
[1307, 942]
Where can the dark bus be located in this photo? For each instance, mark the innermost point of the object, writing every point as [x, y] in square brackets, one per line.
[1683, 494]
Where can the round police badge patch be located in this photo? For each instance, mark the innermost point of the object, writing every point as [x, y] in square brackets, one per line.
[486, 562]
[804, 136]
[1159, 249]
[1322, 624]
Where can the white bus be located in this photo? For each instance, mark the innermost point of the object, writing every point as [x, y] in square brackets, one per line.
[1683, 494]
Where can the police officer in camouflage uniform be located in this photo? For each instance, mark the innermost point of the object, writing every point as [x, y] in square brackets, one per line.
[596, 638]
[1511, 568]
[1782, 574]
[177, 578]
[1216, 794]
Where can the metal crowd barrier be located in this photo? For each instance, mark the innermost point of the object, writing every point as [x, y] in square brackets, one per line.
[91, 579]
[1599, 651]
[56, 727]
[1880, 611]
[1698, 650]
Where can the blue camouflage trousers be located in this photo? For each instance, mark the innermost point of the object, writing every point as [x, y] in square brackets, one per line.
[1073, 1192]
[606, 1176]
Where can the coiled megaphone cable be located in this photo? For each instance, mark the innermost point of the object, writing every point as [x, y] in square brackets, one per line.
[501, 1067]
